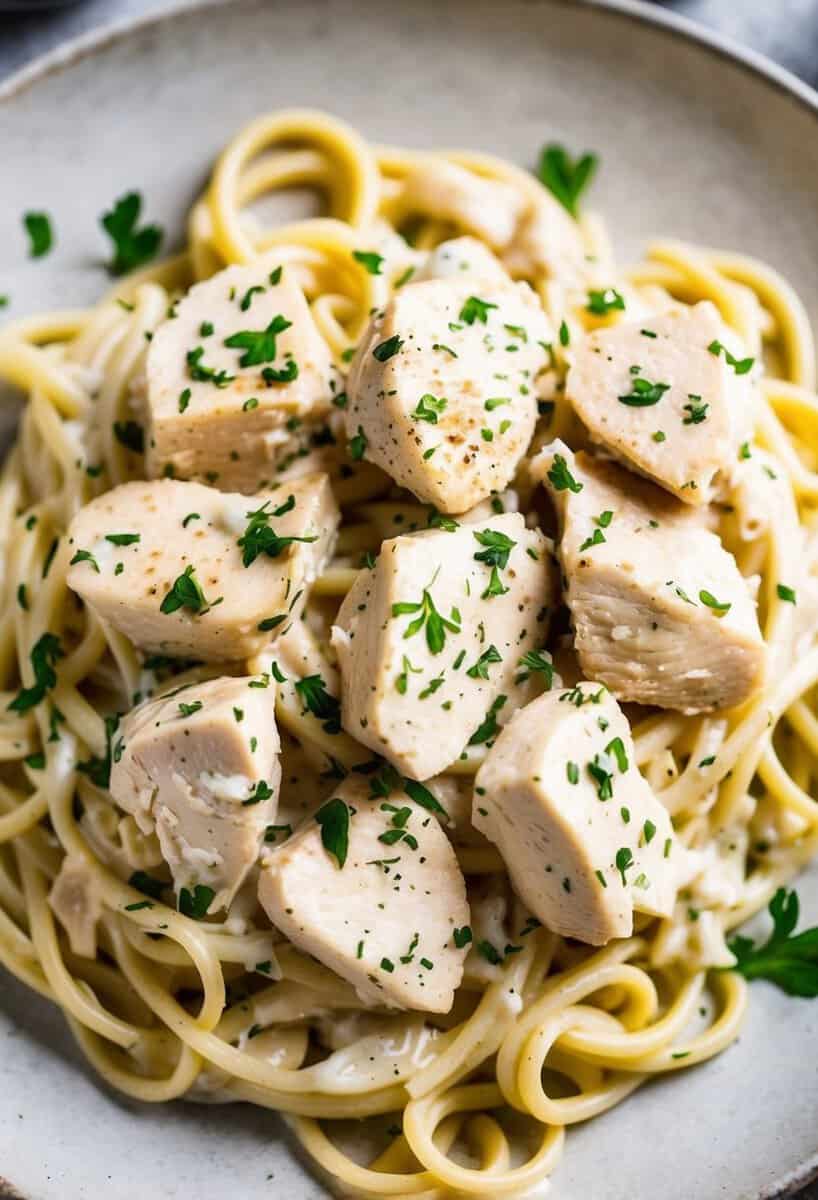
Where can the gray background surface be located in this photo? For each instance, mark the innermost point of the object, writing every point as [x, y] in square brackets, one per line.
[785, 30]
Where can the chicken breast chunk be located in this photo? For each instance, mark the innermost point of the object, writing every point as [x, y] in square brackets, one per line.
[672, 395]
[402, 893]
[661, 612]
[441, 393]
[183, 569]
[429, 640]
[584, 839]
[200, 767]
[462, 256]
[238, 361]
[487, 208]
[548, 242]
[76, 901]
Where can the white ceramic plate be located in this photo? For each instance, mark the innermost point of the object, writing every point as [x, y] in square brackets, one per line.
[698, 141]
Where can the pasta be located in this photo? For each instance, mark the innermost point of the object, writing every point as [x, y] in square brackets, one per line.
[476, 1101]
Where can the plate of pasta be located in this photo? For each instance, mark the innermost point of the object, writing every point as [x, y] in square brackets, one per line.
[410, 593]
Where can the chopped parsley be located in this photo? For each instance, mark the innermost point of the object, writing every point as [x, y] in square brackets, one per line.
[333, 818]
[132, 247]
[596, 539]
[247, 298]
[790, 961]
[85, 556]
[147, 884]
[404, 278]
[719, 607]
[480, 670]
[429, 408]
[325, 707]
[643, 393]
[439, 520]
[462, 937]
[40, 233]
[131, 435]
[741, 366]
[123, 539]
[489, 727]
[285, 374]
[261, 791]
[45, 653]
[696, 410]
[602, 775]
[199, 371]
[600, 303]
[369, 260]
[195, 903]
[260, 538]
[259, 345]
[539, 662]
[428, 619]
[616, 747]
[357, 445]
[496, 547]
[561, 478]
[624, 862]
[423, 796]
[386, 350]
[185, 592]
[97, 769]
[272, 831]
[475, 309]
[565, 177]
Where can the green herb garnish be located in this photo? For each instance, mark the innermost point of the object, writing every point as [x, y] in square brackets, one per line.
[40, 233]
[566, 178]
[333, 817]
[195, 903]
[44, 654]
[132, 247]
[791, 962]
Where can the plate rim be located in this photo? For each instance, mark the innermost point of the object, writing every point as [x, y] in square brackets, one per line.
[673, 25]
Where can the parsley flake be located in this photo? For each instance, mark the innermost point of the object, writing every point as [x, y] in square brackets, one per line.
[133, 247]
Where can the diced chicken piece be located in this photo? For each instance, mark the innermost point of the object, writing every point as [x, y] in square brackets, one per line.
[183, 569]
[549, 242]
[454, 794]
[584, 839]
[487, 208]
[671, 395]
[429, 640]
[239, 359]
[200, 766]
[441, 393]
[762, 498]
[76, 900]
[462, 256]
[661, 612]
[402, 894]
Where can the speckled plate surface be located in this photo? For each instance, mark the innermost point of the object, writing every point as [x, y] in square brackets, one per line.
[696, 141]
